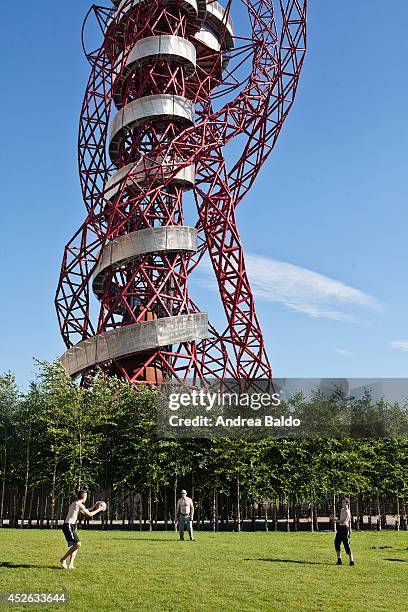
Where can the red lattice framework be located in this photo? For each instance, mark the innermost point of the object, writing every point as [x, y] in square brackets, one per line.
[184, 85]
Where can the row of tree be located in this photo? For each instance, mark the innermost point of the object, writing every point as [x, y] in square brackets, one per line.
[59, 437]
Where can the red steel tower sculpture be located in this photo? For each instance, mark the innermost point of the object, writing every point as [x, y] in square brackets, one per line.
[170, 88]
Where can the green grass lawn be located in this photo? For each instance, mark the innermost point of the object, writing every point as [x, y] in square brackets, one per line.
[217, 572]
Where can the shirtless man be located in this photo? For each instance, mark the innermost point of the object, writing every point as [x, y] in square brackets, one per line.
[343, 531]
[69, 527]
[185, 513]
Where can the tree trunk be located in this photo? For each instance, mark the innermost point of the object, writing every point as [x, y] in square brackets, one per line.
[295, 517]
[175, 505]
[156, 508]
[266, 518]
[214, 510]
[80, 457]
[38, 510]
[30, 510]
[149, 509]
[14, 519]
[3, 486]
[315, 518]
[46, 510]
[54, 480]
[165, 511]
[361, 512]
[370, 514]
[27, 475]
[384, 515]
[238, 506]
[404, 515]
[140, 510]
[311, 516]
[217, 511]
[333, 512]
[287, 515]
[198, 515]
[397, 520]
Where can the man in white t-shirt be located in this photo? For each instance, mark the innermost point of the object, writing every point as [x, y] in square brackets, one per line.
[343, 525]
[185, 513]
[69, 526]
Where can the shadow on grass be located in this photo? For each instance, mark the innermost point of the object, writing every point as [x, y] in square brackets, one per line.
[147, 539]
[389, 548]
[9, 565]
[398, 560]
[291, 561]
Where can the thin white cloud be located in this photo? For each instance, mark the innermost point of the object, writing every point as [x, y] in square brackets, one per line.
[343, 352]
[299, 289]
[401, 345]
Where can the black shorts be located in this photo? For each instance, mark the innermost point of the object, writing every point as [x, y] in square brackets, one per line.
[343, 537]
[70, 534]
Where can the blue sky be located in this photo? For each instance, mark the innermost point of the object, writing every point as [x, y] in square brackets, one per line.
[324, 226]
